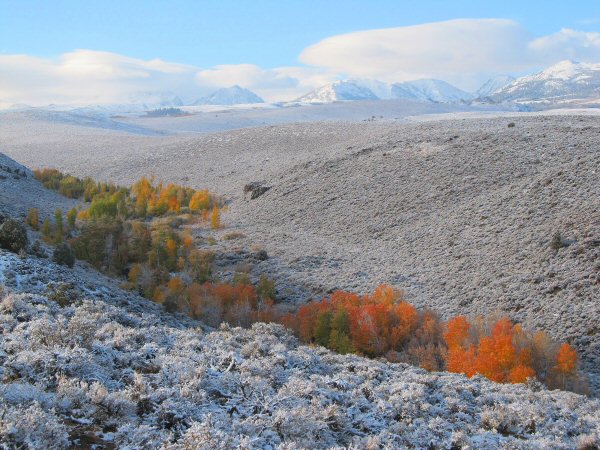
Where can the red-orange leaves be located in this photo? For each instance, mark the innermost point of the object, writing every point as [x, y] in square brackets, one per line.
[508, 354]
[520, 374]
[457, 333]
[566, 360]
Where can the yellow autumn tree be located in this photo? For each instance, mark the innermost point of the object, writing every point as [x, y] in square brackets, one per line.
[215, 218]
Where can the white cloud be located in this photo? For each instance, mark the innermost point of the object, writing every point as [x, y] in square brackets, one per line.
[93, 77]
[87, 77]
[464, 52]
[567, 44]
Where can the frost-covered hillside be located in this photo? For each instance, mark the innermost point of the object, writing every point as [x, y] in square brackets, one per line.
[85, 364]
[19, 191]
[95, 368]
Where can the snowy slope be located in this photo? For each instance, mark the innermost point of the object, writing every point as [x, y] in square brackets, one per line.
[494, 85]
[80, 117]
[338, 91]
[153, 100]
[429, 90]
[565, 81]
[234, 95]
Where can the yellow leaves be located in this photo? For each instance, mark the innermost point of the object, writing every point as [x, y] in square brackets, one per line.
[33, 219]
[188, 242]
[83, 215]
[200, 200]
[159, 295]
[176, 285]
[159, 199]
[171, 246]
[386, 294]
[134, 273]
[215, 218]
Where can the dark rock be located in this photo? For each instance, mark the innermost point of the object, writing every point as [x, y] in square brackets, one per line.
[256, 189]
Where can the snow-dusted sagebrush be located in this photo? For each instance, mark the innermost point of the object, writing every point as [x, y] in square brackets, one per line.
[95, 372]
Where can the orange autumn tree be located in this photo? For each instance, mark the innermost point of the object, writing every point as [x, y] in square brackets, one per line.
[371, 325]
[461, 353]
[508, 354]
[565, 368]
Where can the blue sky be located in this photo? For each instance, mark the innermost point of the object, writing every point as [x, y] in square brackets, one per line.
[81, 52]
[266, 33]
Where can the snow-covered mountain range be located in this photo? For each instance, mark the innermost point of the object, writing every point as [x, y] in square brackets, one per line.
[234, 95]
[566, 81]
[429, 90]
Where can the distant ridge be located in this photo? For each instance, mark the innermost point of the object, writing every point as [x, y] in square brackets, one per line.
[234, 95]
[563, 82]
[430, 90]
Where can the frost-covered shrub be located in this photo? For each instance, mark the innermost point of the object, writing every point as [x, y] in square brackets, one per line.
[13, 236]
[63, 294]
[63, 255]
[31, 428]
[37, 249]
[590, 442]
[129, 377]
[141, 436]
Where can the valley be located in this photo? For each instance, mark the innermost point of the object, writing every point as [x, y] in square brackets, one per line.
[460, 212]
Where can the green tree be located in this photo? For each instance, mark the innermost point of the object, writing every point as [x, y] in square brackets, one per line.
[339, 338]
[241, 279]
[323, 328]
[266, 288]
[58, 231]
[33, 218]
[72, 217]
[46, 230]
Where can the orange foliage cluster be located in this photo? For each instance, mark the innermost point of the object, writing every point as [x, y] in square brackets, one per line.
[504, 352]
[373, 325]
[383, 324]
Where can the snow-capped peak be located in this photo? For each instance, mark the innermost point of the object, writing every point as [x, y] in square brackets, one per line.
[337, 91]
[562, 70]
